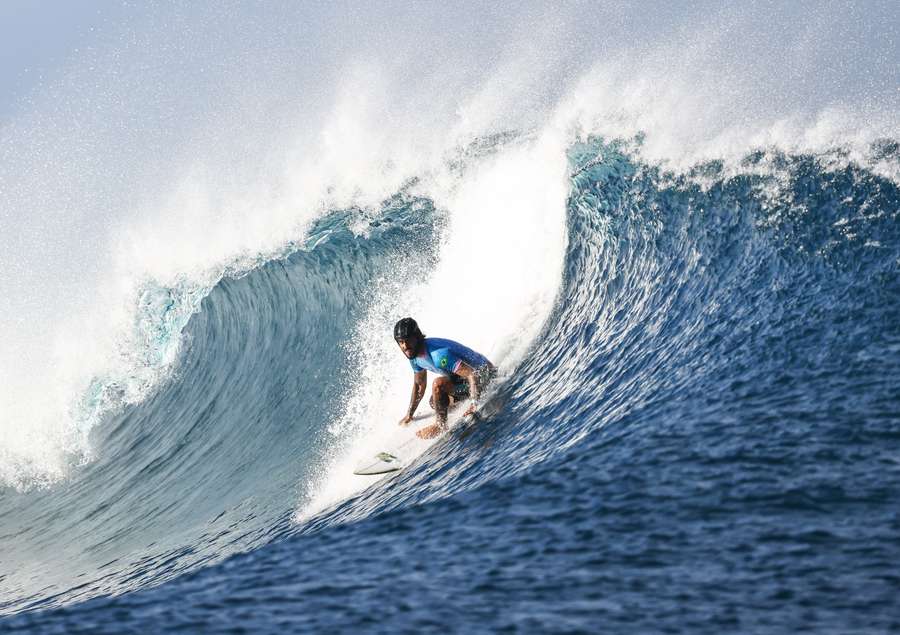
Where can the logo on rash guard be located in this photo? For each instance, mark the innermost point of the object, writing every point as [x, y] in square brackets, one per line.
[444, 362]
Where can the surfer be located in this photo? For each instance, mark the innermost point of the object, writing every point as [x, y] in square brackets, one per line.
[462, 373]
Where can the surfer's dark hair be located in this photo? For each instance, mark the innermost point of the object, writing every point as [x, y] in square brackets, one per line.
[407, 328]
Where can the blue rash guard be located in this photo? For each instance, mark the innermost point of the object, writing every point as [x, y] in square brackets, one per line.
[444, 357]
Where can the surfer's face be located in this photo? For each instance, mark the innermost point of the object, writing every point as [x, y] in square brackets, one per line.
[409, 346]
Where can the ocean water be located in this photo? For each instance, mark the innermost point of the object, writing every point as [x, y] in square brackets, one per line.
[693, 299]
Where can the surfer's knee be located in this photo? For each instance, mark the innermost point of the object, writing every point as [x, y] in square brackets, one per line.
[440, 385]
[440, 393]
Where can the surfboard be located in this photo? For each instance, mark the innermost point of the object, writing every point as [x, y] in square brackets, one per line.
[391, 459]
[381, 463]
[395, 460]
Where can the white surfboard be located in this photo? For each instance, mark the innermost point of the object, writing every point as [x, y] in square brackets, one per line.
[381, 463]
[395, 460]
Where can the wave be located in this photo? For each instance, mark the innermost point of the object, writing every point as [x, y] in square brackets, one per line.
[156, 196]
[694, 264]
[678, 293]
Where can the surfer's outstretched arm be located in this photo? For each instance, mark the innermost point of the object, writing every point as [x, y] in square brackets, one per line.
[420, 379]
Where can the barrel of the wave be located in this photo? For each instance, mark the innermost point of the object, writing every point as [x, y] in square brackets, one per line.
[462, 374]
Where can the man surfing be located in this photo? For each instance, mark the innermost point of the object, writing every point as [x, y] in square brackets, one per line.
[462, 373]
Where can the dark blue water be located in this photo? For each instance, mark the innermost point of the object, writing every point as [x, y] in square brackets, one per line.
[705, 437]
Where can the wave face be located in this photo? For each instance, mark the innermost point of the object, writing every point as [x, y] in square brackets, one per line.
[201, 469]
[703, 434]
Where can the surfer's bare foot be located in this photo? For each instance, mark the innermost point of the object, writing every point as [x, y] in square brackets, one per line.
[405, 420]
[429, 432]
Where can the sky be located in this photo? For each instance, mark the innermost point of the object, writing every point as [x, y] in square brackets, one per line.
[40, 38]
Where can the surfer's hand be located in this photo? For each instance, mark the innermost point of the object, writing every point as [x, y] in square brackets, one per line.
[405, 420]
[471, 410]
